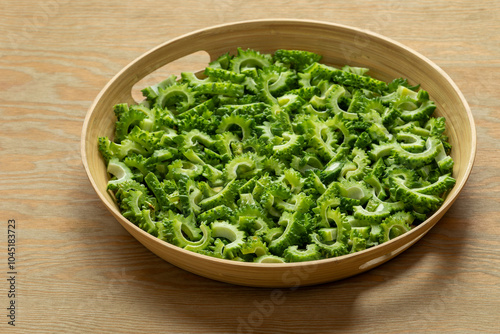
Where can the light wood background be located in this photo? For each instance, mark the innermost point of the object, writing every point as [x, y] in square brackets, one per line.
[80, 272]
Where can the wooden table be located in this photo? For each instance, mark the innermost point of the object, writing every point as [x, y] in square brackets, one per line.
[78, 271]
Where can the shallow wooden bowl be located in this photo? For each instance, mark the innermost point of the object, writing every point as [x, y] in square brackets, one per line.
[339, 45]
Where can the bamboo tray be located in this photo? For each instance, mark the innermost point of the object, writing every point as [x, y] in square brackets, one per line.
[339, 45]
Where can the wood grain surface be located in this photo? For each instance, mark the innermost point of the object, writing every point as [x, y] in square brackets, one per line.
[79, 271]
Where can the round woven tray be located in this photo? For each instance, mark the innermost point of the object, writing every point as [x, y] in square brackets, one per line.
[339, 45]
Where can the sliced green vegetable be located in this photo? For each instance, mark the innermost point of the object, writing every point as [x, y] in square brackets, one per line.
[273, 158]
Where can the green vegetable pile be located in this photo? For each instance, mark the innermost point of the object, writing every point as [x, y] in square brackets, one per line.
[278, 158]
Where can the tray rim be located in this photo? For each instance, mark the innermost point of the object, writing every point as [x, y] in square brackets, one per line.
[413, 235]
